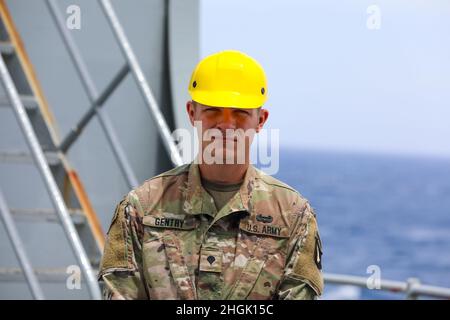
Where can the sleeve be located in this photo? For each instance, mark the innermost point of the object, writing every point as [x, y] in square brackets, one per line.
[302, 277]
[119, 271]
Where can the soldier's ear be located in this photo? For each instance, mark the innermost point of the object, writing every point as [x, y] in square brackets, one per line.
[190, 108]
[263, 114]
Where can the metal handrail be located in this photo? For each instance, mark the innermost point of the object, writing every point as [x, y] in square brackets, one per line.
[50, 183]
[412, 287]
[142, 83]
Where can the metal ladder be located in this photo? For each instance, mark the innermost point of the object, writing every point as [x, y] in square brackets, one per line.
[36, 122]
[24, 94]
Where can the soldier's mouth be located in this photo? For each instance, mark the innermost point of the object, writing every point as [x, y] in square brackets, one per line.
[226, 138]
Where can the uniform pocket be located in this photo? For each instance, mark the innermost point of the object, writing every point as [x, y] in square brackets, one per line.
[261, 257]
[164, 260]
[247, 279]
[178, 268]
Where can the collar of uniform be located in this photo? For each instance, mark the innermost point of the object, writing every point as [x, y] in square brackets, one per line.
[198, 201]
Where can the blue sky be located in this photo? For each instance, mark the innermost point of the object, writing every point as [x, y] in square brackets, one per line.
[336, 84]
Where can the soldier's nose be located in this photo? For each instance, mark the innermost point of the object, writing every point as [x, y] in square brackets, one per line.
[226, 121]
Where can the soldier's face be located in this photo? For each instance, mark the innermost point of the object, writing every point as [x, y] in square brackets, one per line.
[226, 132]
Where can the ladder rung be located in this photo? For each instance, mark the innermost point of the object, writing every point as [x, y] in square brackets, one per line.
[26, 158]
[47, 215]
[6, 47]
[28, 101]
[43, 274]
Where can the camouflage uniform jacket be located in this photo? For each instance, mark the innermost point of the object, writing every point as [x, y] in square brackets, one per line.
[167, 241]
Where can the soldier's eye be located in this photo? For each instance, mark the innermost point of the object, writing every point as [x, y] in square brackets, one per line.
[242, 112]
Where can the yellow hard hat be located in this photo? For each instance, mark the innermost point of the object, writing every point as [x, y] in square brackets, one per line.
[229, 79]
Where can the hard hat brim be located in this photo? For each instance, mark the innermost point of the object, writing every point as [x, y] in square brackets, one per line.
[227, 99]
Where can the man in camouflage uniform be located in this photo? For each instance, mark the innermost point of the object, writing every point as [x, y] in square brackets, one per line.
[215, 231]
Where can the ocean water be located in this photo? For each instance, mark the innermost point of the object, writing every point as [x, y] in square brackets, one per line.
[383, 210]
